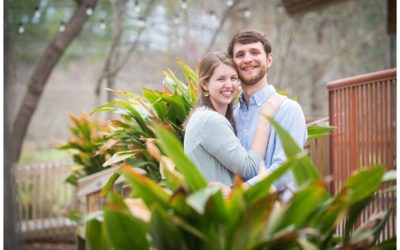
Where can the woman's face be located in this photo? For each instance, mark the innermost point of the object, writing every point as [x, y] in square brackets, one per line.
[222, 86]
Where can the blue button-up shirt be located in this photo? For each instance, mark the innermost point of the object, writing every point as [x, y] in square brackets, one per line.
[289, 115]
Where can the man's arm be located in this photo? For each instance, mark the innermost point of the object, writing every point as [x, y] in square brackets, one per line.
[293, 121]
[291, 118]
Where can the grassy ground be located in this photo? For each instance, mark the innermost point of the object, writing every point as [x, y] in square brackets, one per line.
[44, 156]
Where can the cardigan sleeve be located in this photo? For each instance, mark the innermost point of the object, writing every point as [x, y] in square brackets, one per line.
[221, 142]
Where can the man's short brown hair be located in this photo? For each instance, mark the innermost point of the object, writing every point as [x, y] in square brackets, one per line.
[250, 36]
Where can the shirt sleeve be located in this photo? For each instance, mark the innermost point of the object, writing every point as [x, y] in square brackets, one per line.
[291, 118]
[221, 142]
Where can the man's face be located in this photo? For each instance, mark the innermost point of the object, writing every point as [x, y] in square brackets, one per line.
[252, 62]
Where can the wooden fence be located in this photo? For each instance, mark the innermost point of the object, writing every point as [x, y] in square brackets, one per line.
[43, 199]
[363, 110]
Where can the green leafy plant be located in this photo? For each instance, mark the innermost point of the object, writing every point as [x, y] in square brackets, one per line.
[131, 130]
[186, 213]
[87, 137]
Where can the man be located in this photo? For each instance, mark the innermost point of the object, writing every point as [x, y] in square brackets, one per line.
[252, 53]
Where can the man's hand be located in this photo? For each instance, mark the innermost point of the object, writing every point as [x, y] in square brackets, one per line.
[272, 104]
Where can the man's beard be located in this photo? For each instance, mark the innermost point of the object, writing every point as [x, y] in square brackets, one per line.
[254, 80]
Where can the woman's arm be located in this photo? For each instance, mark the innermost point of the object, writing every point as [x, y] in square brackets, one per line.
[261, 134]
[219, 140]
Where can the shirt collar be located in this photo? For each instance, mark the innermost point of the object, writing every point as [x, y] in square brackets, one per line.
[259, 97]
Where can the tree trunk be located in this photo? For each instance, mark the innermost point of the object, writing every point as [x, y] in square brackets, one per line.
[45, 66]
[10, 233]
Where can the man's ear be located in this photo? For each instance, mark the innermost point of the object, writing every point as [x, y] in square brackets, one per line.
[269, 60]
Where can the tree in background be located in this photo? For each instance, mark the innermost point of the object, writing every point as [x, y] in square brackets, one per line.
[43, 69]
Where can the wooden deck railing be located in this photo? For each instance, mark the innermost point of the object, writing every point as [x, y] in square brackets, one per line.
[363, 110]
[42, 201]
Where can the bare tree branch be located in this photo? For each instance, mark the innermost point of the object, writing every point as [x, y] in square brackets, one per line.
[227, 13]
[108, 71]
[44, 67]
[133, 47]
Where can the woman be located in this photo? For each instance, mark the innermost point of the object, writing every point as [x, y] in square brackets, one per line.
[210, 139]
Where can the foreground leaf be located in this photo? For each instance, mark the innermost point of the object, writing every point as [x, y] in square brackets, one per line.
[174, 150]
[304, 170]
[96, 235]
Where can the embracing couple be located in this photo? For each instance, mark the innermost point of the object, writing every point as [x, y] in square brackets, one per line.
[226, 139]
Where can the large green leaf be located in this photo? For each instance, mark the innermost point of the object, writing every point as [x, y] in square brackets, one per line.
[192, 80]
[390, 244]
[191, 76]
[118, 157]
[81, 219]
[251, 224]
[352, 216]
[165, 235]
[96, 235]
[236, 206]
[173, 148]
[199, 199]
[124, 230]
[379, 228]
[145, 188]
[262, 188]
[110, 183]
[178, 203]
[171, 80]
[124, 93]
[154, 97]
[177, 107]
[357, 187]
[301, 206]
[315, 131]
[195, 234]
[305, 170]
[108, 107]
[134, 114]
[362, 184]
